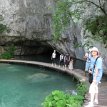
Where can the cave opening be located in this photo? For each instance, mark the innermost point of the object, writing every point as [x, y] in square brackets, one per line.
[34, 50]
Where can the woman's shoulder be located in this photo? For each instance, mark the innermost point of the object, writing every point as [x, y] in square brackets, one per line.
[100, 59]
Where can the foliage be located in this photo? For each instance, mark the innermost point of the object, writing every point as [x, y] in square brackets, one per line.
[77, 45]
[6, 55]
[62, 16]
[60, 99]
[98, 27]
[11, 49]
[3, 27]
[82, 89]
[9, 53]
[67, 10]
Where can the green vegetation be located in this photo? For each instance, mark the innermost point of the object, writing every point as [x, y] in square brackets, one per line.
[6, 55]
[98, 27]
[62, 17]
[3, 27]
[82, 89]
[60, 99]
[9, 53]
[64, 13]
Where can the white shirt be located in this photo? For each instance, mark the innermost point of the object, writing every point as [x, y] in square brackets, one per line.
[61, 57]
[53, 55]
[88, 55]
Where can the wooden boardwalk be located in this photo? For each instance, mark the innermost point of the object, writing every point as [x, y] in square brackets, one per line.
[102, 93]
[79, 74]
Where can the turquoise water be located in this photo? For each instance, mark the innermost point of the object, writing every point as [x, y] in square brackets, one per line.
[27, 86]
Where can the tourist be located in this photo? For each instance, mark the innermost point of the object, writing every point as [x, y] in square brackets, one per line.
[96, 67]
[61, 60]
[53, 58]
[71, 64]
[87, 57]
[66, 60]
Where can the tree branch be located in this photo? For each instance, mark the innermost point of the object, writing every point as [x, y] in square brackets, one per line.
[98, 6]
[100, 3]
[88, 1]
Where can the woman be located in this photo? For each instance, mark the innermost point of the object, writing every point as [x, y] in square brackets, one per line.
[70, 64]
[87, 57]
[97, 71]
[53, 57]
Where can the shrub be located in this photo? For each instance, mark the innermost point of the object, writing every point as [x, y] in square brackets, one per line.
[60, 99]
[6, 55]
[9, 53]
[81, 89]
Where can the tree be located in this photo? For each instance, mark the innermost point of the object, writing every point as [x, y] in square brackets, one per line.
[3, 27]
[100, 4]
[61, 17]
[96, 24]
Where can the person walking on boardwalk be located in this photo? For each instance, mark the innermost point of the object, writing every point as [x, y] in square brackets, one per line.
[61, 60]
[87, 57]
[53, 58]
[66, 60]
[71, 64]
[97, 72]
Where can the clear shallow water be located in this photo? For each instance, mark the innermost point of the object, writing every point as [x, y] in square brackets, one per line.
[27, 86]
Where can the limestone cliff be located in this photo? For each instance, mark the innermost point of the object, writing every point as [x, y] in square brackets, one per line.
[31, 20]
[26, 20]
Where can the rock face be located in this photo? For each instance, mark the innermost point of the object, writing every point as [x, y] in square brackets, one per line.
[30, 20]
